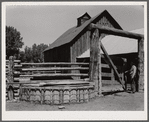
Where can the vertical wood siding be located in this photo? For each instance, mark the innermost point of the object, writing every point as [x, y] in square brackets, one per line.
[82, 43]
[69, 52]
[59, 54]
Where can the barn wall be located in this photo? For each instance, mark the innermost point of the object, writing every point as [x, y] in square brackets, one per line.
[69, 52]
[59, 54]
[80, 46]
[82, 42]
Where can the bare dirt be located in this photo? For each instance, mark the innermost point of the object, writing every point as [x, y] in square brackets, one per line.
[110, 101]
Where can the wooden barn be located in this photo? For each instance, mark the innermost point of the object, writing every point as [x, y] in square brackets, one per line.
[76, 40]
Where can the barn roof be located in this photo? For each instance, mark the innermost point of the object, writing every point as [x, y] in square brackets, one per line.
[70, 34]
[84, 15]
[118, 45]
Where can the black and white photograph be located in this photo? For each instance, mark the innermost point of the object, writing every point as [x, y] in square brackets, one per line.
[74, 61]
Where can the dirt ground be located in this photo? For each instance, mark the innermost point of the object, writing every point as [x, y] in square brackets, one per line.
[113, 101]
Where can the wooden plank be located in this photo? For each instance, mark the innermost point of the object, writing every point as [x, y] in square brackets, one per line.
[54, 63]
[109, 75]
[74, 52]
[88, 40]
[67, 82]
[16, 73]
[16, 79]
[53, 75]
[47, 81]
[71, 52]
[109, 82]
[116, 32]
[106, 74]
[83, 42]
[59, 87]
[17, 66]
[76, 46]
[55, 68]
[17, 61]
[105, 66]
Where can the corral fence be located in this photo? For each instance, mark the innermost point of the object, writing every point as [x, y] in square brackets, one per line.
[55, 82]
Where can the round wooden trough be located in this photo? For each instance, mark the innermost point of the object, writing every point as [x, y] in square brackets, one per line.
[57, 92]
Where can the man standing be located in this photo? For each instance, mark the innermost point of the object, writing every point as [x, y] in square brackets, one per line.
[133, 72]
[132, 75]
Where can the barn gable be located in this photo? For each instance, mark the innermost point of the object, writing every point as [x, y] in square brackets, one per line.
[83, 19]
[78, 37]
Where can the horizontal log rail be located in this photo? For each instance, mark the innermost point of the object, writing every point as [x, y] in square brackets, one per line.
[109, 82]
[18, 66]
[15, 61]
[55, 68]
[102, 65]
[53, 75]
[107, 66]
[50, 81]
[43, 75]
[116, 32]
[57, 63]
[109, 75]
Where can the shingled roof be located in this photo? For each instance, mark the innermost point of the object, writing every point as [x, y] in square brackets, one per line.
[70, 34]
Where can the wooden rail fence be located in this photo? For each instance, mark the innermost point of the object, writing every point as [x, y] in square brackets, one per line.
[29, 77]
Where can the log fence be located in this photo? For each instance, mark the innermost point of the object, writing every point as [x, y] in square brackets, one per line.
[40, 81]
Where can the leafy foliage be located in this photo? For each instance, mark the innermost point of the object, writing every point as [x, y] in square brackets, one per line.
[33, 54]
[13, 41]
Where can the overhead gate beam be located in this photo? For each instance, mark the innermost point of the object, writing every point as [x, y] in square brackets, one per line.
[116, 32]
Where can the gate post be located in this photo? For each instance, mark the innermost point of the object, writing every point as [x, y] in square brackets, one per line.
[140, 84]
[11, 78]
[95, 61]
[11, 68]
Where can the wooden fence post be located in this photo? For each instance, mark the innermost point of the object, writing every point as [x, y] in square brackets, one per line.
[95, 61]
[140, 84]
[11, 78]
[11, 69]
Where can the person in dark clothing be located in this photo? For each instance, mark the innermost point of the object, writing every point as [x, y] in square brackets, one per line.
[130, 76]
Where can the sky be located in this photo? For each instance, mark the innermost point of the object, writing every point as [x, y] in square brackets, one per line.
[45, 23]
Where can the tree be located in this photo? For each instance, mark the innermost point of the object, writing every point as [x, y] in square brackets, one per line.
[13, 41]
[22, 56]
[37, 52]
[41, 48]
[33, 54]
[28, 54]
